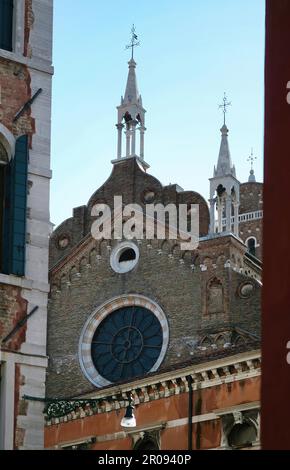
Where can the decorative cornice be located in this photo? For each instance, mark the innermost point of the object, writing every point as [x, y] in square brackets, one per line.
[174, 382]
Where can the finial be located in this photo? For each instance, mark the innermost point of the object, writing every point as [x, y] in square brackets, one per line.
[224, 106]
[251, 159]
[134, 41]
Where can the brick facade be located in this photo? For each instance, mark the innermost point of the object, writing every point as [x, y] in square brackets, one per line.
[82, 279]
[251, 197]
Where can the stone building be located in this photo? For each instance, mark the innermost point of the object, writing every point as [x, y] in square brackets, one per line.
[177, 329]
[25, 110]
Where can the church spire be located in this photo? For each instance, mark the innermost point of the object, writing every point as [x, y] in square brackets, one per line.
[131, 92]
[224, 165]
[131, 114]
[224, 187]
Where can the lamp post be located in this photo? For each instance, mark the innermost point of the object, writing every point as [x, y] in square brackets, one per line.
[129, 420]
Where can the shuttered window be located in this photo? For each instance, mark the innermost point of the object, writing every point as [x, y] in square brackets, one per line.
[6, 24]
[2, 186]
[14, 237]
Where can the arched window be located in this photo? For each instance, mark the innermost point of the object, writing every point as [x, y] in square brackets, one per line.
[242, 435]
[6, 24]
[148, 442]
[252, 246]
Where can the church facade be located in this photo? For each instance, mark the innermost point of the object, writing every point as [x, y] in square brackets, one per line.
[176, 332]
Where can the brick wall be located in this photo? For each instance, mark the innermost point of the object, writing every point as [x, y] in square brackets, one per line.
[15, 92]
[82, 280]
[12, 309]
[251, 200]
[130, 182]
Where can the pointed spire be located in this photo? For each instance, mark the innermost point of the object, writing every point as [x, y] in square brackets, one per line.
[224, 187]
[131, 92]
[224, 165]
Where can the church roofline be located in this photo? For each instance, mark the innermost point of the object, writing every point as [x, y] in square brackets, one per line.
[139, 161]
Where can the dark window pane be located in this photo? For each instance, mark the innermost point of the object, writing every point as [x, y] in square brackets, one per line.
[6, 24]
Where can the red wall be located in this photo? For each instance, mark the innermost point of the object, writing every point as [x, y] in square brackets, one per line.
[276, 254]
[205, 435]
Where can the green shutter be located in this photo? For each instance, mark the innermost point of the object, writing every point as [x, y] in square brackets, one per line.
[15, 210]
[6, 24]
[5, 250]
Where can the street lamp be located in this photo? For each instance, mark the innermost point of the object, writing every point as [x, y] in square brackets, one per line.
[129, 420]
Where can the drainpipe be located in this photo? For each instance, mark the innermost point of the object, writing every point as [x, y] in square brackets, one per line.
[190, 395]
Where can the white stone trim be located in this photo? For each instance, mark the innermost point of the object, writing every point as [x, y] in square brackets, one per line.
[37, 171]
[195, 419]
[249, 238]
[102, 312]
[22, 358]
[246, 217]
[7, 404]
[250, 216]
[8, 140]
[29, 284]
[18, 26]
[17, 29]
[117, 251]
[242, 407]
[34, 64]
[32, 367]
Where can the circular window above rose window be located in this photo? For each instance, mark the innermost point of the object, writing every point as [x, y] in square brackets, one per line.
[126, 338]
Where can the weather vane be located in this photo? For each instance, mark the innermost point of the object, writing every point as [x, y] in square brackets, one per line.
[224, 106]
[134, 41]
[251, 159]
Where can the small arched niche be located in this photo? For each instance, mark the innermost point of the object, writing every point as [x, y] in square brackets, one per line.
[242, 435]
[215, 296]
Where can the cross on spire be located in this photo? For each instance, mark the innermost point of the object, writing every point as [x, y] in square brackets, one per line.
[225, 104]
[251, 159]
[134, 41]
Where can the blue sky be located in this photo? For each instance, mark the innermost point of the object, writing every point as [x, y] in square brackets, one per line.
[191, 52]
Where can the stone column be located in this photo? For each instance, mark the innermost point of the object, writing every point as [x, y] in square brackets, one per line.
[236, 219]
[133, 140]
[142, 132]
[119, 147]
[228, 213]
[220, 214]
[128, 135]
[212, 215]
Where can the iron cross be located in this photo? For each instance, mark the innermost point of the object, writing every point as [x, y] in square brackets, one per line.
[224, 106]
[134, 41]
[251, 159]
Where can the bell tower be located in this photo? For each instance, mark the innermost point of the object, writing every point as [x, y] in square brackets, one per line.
[131, 115]
[224, 187]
